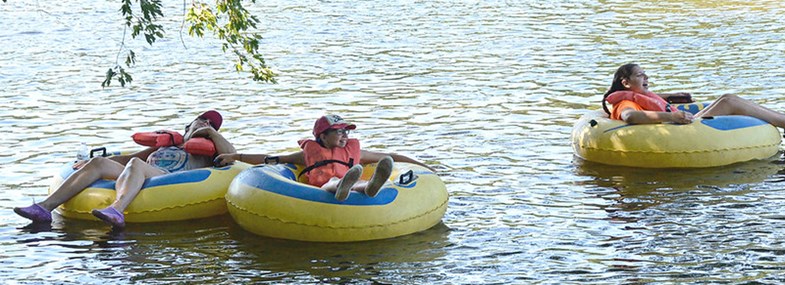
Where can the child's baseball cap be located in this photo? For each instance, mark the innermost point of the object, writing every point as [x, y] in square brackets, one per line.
[328, 122]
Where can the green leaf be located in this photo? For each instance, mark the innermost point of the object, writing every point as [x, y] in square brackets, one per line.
[227, 20]
[109, 74]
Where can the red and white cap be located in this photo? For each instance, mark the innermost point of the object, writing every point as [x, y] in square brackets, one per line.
[331, 122]
[215, 118]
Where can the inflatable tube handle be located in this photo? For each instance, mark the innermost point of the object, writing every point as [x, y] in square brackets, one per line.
[680, 99]
[273, 158]
[100, 149]
[407, 177]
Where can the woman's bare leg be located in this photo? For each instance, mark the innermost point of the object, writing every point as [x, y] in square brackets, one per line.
[96, 168]
[130, 182]
[730, 104]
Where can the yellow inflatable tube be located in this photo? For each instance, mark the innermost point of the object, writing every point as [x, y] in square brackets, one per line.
[183, 195]
[268, 201]
[706, 142]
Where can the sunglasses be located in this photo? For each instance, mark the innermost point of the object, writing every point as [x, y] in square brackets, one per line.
[340, 131]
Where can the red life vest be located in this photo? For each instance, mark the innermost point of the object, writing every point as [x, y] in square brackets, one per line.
[648, 101]
[200, 146]
[158, 138]
[323, 163]
[196, 146]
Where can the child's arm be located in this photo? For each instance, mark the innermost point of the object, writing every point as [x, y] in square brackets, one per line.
[372, 157]
[296, 158]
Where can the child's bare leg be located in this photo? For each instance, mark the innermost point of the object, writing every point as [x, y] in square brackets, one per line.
[331, 185]
[348, 180]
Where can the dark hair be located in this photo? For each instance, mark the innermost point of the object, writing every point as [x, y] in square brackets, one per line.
[624, 72]
[319, 137]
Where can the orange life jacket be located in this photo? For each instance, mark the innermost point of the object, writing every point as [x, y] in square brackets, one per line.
[197, 146]
[323, 163]
[158, 138]
[200, 146]
[648, 101]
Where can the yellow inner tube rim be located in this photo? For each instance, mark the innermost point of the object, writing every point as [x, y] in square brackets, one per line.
[683, 151]
[440, 206]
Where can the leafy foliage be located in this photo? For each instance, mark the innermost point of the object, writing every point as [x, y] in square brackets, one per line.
[228, 20]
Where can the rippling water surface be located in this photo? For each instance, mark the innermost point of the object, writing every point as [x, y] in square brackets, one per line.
[484, 91]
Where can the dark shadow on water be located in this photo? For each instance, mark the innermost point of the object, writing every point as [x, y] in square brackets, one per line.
[34, 228]
[636, 180]
[634, 189]
[346, 262]
[101, 233]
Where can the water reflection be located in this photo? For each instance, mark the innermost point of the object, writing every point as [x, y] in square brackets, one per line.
[383, 261]
[675, 221]
[633, 178]
[216, 250]
[637, 189]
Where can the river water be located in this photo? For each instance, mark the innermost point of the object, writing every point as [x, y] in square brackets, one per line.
[485, 91]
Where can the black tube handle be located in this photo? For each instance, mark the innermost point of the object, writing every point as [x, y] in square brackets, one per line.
[100, 149]
[407, 177]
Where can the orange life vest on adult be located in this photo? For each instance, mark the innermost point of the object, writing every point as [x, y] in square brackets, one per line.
[200, 146]
[323, 163]
[163, 138]
[648, 101]
[158, 138]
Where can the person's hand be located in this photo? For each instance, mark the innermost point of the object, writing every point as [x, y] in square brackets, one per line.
[681, 117]
[224, 159]
[204, 132]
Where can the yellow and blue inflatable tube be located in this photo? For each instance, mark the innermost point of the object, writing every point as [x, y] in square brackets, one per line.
[707, 142]
[182, 195]
[269, 201]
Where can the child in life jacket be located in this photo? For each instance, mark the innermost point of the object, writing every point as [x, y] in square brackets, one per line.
[333, 160]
